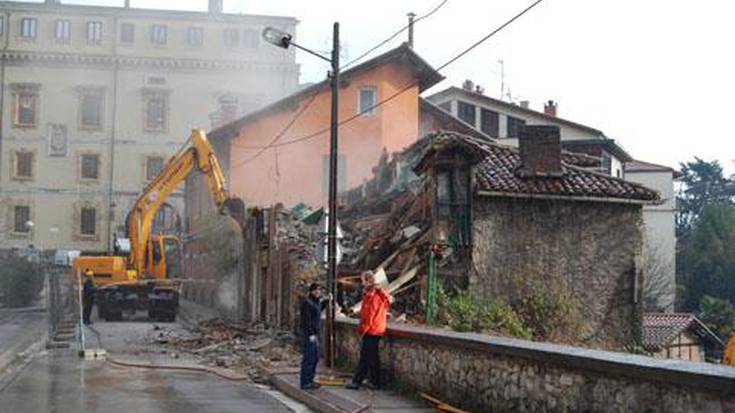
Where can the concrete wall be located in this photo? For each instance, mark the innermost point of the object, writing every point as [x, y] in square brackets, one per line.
[589, 249]
[495, 374]
[660, 239]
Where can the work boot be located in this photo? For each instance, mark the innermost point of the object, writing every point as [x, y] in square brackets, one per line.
[352, 385]
[311, 386]
[370, 386]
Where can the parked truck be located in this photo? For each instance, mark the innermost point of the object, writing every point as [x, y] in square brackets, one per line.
[144, 270]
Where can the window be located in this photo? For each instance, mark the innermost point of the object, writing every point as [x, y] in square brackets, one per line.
[232, 38]
[159, 34]
[366, 100]
[21, 217]
[514, 126]
[90, 166]
[62, 30]
[156, 111]
[341, 174]
[91, 108]
[453, 204]
[2, 25]
[466, 112]
[606, 162]
[94, 32]
[489, 122]
[195, 36]
[127, 33]
[88, 221]
[23, 165]
[250, 39]
[26, 106]
[153, 165]
[28, 27]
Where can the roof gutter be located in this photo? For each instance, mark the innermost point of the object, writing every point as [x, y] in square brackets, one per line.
[566, 197]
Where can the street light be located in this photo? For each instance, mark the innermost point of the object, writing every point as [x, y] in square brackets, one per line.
[284, 40]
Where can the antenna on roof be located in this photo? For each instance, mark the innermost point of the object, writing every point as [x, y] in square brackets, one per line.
[502, 78]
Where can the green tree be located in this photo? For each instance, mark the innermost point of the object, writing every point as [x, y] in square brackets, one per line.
[707, 262]
[702, 182]
[719, 315]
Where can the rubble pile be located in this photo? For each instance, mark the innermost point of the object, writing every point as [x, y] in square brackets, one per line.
[243, 347]
[387, 226]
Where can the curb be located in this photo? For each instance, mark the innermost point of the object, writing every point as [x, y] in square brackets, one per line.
[309, 399]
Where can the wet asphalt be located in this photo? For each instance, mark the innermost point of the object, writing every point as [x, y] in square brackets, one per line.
[58, 381]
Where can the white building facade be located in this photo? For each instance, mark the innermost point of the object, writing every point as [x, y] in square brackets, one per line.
[95, 99]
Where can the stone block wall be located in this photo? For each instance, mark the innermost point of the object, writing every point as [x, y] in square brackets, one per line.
[591, 250]
[494, 374]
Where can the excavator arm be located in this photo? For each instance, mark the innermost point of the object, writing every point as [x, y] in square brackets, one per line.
[196, 154]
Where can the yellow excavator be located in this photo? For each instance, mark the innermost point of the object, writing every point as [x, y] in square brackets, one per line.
[144, 271]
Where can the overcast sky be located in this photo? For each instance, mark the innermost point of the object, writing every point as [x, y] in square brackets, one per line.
[655, 75]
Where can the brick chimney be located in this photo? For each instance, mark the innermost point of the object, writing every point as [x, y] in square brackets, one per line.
[215, 6]
[540, 149]
[550, 108]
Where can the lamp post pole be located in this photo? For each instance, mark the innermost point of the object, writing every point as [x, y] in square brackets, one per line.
[284, 40]
[332, 218]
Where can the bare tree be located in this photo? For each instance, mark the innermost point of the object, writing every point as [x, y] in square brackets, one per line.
[659, 284]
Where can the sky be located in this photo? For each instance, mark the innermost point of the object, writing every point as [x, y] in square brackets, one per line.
[658, 76]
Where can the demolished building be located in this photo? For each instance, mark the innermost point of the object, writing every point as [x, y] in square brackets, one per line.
[504, 219]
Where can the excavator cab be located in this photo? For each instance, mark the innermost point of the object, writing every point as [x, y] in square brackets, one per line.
[164, 257]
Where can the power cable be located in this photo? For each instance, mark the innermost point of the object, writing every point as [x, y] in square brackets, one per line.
[394, 35]
[279, 135]
[408, 87]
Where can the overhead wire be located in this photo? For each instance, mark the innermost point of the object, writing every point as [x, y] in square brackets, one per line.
[394, 35]
[407, 87]
[279, 135]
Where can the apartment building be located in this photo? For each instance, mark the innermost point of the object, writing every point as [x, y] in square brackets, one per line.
[95, 99]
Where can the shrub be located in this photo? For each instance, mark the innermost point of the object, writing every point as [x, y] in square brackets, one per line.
[20, 281]
[547, 309]
[463, 312]
[500, 316]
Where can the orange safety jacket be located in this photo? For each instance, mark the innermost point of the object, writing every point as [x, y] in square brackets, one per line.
[374, 312]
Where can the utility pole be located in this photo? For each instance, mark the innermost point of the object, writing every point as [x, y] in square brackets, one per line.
[332, 217]
[282, 39]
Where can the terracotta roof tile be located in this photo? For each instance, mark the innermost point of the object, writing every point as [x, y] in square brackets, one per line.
[495, 171]
[660, 329]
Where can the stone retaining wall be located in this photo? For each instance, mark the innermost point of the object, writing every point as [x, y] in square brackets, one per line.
[485, 373]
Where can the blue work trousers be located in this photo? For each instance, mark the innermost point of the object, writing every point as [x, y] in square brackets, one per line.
[309, 361]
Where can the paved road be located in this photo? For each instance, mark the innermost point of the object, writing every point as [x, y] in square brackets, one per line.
[16, 325]
[60, 382]
[63, 383]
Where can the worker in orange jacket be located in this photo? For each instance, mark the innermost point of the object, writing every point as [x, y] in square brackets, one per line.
[373, 317]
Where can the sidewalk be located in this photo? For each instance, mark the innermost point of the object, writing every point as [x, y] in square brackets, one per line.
[337, 399]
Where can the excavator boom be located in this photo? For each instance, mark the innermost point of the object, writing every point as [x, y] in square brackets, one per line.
[198, 153]
[147, 279]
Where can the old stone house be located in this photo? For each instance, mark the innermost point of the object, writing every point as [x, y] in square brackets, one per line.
[679, 336]
[514, 219]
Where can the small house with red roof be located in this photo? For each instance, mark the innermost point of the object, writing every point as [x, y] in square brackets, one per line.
[679, 336]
